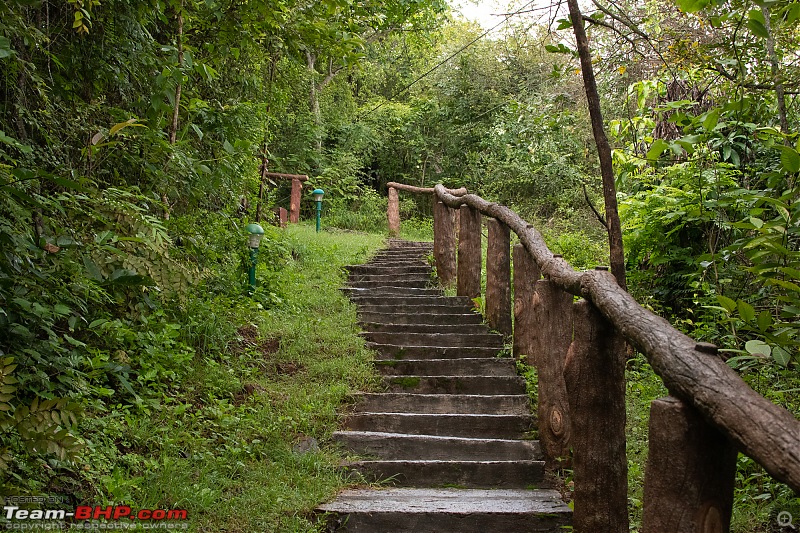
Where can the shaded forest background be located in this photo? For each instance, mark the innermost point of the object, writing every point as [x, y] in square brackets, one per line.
[133, 135]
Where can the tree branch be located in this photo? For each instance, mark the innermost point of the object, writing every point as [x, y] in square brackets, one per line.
[600, 217]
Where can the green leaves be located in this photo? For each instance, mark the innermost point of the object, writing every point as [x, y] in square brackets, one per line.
[5, 47]
[757, 24]
[757, 347]
[560, 48]
[691, 6]
[790, 159]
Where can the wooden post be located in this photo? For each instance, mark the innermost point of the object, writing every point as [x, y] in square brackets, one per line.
[594, 373]
[526, 274]
[550, 336]
[393, 212]
[691, 469]
[469, 253]
[498, 277]
[294, 206]
[444, 243]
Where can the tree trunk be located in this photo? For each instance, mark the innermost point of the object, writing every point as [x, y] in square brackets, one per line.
[617, 253]
[314, 101]
[779, 88]
[173, 131]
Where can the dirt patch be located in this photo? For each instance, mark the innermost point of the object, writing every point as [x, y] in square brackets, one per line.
[288, 368]
[247, 390]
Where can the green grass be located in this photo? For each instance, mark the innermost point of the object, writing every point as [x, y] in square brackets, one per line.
[224, 444]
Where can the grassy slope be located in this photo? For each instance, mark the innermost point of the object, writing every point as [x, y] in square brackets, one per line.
[225, 450]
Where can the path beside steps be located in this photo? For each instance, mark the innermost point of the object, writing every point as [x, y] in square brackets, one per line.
[449, 432]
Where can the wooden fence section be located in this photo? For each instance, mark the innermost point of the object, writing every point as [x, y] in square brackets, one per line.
[579, 351]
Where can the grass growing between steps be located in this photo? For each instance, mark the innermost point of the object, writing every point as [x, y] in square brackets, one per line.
[243, 443]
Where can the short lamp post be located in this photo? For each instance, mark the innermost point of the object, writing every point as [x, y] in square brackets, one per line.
[255, 233]
[318, 194]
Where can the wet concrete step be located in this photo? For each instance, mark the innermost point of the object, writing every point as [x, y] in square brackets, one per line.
[441, 473]
[419, 301]
[355, 293]
[388, 270]
[409, 278]
[394, 351]
[447, 510]
[484, 340]
[455, 384]
[472, 329]
[403, 402]
[402, 446]
[479, 426]
[420, 318]
[449, 367]
[385, 306]
[396, 282]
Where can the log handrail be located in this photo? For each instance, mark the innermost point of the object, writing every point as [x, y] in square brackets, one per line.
[423, 190]
[763, 430]
[766, 432]
[281, 175]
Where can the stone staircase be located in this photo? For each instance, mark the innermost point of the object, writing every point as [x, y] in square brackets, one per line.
[449, 434]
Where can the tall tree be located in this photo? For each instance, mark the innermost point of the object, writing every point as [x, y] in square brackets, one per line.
[617, 253]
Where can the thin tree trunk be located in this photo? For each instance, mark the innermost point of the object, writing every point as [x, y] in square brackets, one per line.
[173, 129]
[173, 132]
[773, 59]
[314, 102]
[617, 253]
[264, 164]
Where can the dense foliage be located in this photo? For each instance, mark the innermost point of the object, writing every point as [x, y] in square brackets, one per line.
[133, 135]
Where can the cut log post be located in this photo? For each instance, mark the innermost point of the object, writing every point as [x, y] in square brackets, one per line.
[444, 243]
[526, 274]
[393, 212]
[691, 469]
[594, 373]
[498, 277]
[281, 216]
[469, 253]
[294, 205]
[550, 336]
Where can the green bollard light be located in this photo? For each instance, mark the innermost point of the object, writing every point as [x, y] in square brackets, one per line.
[256, 232]
[318, 194]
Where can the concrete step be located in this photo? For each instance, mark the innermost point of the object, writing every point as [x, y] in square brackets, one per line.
[403, 402]
[483, 340]
[395, 282]
[394, 351]
[421, 302]
[401, 446]
[442, 473]
[478, 426]
[424, 317]
[386, 306]
[403, 243]
[471, 329]
[408, 278]
[388, 270]
[455, 384]
[416, 253]
[448, 367]
[393, 291]
[398, 261]
[410, 510]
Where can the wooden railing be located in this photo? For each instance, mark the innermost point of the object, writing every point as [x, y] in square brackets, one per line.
[579, 350]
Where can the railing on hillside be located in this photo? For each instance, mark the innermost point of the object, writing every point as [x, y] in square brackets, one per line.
[579, 351]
